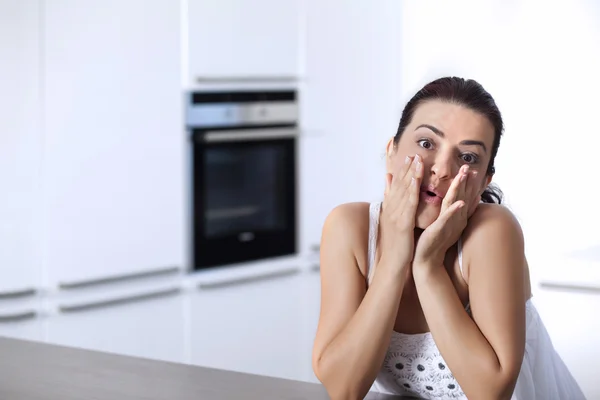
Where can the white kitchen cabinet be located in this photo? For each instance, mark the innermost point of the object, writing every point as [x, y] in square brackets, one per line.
[250, 325]
[147, 323]
[352, 95]
[25, 330]
[317, 189]
[20, 147]
[240, 39]
[21, 318]
[114, 165]
[571, 320]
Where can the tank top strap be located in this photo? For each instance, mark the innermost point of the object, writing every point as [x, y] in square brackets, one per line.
[460, 257]
[460, 264]
[374, 211]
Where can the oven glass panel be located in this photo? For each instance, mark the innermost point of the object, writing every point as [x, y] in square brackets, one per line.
[245, 189]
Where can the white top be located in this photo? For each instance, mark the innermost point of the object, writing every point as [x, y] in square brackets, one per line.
[413, 365]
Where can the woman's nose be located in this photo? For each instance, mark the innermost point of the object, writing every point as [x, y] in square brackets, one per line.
[442, 168]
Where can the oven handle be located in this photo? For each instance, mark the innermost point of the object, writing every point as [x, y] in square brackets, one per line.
[250, 135]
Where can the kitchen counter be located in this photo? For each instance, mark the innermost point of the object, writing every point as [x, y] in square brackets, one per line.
[40, 371]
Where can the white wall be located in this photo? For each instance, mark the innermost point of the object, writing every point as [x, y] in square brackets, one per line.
[540, 61]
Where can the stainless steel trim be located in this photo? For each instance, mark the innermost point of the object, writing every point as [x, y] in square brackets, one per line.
[570, 287]
[15, 294]
[242, 114]
[118, 278]
[21, 316]
[120, 300]
[250, 135]
[249, 279]
[247, 79]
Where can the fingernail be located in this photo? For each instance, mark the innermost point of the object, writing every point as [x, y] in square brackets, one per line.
[417, 157]
[407, 160]
[418, 167]
[463, 177]
[413, 182]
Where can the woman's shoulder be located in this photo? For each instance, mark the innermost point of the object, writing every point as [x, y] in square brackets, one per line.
[487, 217]
[492, 227]
[346, 228]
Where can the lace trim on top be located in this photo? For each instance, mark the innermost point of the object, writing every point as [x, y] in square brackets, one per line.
[413, 364]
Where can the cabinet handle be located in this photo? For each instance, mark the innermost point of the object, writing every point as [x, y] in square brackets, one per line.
[247, 79]
[120, 301]
[118, 278]
[15, 294]
[249, 279]
[570, 287]
[21, 316]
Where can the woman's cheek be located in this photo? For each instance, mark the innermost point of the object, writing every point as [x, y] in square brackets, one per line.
[473, 205]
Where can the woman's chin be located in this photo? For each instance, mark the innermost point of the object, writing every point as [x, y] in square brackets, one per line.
[426, 215]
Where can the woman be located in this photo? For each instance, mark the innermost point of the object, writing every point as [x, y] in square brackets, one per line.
[427, 294]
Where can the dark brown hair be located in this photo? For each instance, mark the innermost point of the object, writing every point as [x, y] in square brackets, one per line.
[467, 93]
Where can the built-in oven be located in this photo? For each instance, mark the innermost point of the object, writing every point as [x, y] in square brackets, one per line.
[243, 198]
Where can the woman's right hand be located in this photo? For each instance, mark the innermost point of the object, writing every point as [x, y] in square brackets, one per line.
[399, 208]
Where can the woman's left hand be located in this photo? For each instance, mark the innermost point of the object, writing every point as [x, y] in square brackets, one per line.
[458, 204]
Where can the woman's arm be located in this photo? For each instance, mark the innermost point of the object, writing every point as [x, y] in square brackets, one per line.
[355, 325]
[484, 353]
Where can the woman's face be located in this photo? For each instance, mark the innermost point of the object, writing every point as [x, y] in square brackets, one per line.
[446, 136]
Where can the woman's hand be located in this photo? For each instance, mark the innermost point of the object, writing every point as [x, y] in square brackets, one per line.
[399, 209]
[447, 228]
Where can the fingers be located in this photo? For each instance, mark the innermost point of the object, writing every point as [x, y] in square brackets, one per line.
[471, 185]
[453, 210]
[453, 192]
[402, 177]
[464, 182]
[413, 192]
[471, 188]
[412, 200]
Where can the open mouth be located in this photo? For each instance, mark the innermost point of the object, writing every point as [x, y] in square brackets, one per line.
[429, 193]
[431, 197]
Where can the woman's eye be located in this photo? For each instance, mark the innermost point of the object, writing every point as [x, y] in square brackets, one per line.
[469, 158]
[426, 144]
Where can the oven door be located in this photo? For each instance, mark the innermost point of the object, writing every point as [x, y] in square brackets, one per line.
[244, 195]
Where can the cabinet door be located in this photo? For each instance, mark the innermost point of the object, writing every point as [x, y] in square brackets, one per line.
[142, 323]
[114, 165]
[252, 325]
[243, 39]
[20, 146]
[352, 93]
[318, 193]
[570, 317]
[20, 321]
